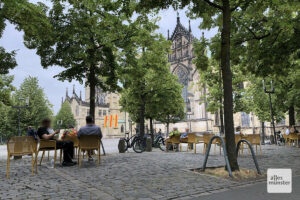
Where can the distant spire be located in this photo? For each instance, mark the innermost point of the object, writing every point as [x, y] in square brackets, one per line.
[178, 18]
[73, 88]
[202, 34]
[190, 29]
[168, 34]
[67, 92]
[62, 100]
[80, 95]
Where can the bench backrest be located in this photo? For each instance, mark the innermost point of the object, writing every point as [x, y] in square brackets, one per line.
[253, 138]
[74, 139]
[21, 145]
[175, 139]
[89, 142]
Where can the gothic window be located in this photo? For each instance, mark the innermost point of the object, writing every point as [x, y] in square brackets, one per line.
[104, 112]
[122, 128]
[88, 112]
[100, 113]
[183, 79]
[245, 120]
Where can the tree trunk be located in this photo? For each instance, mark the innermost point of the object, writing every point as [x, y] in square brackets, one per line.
[227, 86]
[142, 117]
[167, 134]
[262, 132]
[151, 129]
[291, 115]
[221, 102]
[222, 119]
[92, 84]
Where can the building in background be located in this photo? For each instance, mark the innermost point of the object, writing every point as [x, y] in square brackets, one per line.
[197, 119]
[108, 116]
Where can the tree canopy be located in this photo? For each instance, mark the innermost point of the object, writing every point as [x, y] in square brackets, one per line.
[150, 90]
[39, 106]
[84, 39]
[65, 116]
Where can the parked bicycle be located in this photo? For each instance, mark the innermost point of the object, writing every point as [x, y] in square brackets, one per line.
[159, 142]
[135, 142]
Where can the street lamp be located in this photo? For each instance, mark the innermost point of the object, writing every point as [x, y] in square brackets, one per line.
[271, 107]
[59, 123]
[19, 112]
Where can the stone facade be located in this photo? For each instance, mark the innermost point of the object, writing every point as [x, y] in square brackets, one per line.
[197, 118]
[107, 104]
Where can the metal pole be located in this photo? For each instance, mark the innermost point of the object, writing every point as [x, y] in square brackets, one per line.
[125, 123]
[272, 117]
[19, 129]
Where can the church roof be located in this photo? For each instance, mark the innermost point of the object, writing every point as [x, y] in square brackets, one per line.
[181, 30]
[81, 102]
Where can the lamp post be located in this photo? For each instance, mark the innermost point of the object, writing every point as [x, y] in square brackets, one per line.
[269, 92]
[59, 123]
[130, 126]
[19, 108]
[19, 118]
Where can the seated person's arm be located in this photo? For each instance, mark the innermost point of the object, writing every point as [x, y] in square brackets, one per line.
[100, 133]
[79, 133]
[50, 136]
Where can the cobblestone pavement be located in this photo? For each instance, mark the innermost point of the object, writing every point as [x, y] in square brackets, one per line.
[150, 175]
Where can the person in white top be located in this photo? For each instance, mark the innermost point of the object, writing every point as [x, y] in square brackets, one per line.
[287, 131]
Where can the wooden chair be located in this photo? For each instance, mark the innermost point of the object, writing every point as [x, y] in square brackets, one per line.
[206, 139]
[75, 141]
[183, 141]
[46, 145]
[173, 140]
[194, 140]
[286, 138]
[294, 138]
[238, 137]
[88, 143]
[19, 146]
[254, 139]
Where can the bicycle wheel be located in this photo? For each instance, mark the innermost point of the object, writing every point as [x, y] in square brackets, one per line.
[138, 145]
[126, 144]
[162, 144]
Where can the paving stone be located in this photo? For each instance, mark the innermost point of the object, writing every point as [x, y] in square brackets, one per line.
[150, 175]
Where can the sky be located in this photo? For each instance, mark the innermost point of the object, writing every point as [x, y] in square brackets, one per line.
[29, 63]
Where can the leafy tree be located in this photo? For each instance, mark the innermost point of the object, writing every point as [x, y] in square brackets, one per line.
[167, 105]
[276, 55]
[27, 17]
[65, 115]
[146, 78]
[235, 20]
[6, 126]
[84, 39]
[39, 107]
[5, 89]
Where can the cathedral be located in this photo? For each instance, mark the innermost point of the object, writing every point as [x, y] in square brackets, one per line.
[108, 116]
[197, 118]
[114, 123]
